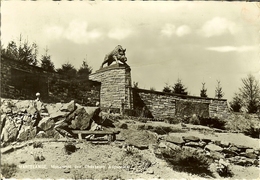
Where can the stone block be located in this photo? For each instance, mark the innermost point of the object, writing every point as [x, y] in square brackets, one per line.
[174, 139]
[213, 147]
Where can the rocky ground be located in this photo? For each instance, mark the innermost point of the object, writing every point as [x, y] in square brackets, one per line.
[134, 155]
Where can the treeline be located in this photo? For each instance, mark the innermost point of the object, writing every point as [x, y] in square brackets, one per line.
[27, 53]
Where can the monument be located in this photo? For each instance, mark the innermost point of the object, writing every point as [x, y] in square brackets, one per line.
[115, 80]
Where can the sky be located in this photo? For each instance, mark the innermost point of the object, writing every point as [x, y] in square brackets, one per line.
[195, 41]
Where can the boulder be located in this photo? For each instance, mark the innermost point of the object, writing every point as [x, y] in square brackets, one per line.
[213, 147]
[58, 115]
[52, 133]
[172, 146]
[2, 121]
[26, 133]
[191, 138]
[234, 149]
[46, 123]
[80, 119]
[242, 148]
[10, 131]
[68, 107]
[174, 139]
[41, 134]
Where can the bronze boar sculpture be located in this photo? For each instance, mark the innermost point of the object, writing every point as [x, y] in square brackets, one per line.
[118, 54]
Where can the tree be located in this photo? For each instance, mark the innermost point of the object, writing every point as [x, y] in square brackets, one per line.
[135, 84]
[250, 93]
[179, 88]
[203, 91]
[84, 71]
[68, 70]
[46, 62]
[236, 103]
[218, 92]
[167, 88]
[152, 89]
[25, 52]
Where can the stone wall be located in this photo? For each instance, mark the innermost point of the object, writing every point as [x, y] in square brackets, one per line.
[22, 81]
[115, 86]
[165, 105]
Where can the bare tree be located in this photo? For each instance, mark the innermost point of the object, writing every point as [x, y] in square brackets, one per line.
[250, 93]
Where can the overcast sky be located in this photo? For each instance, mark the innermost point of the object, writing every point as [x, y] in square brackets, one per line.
[194, 41]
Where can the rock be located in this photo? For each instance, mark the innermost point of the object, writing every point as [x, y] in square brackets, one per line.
[242, 148]
[250, 155]
[41, 134]
[196, 144]
[149, 171]
[140, 146]
[46, 123]
[58, 115]
[216, 155]
[245, 162]
[206, 140]
[174, 139]
[213, 147]
[80, 119]
[7, 149]
[26, 133]
[22, 161]
[67, 171]
[224, 144]
[172, 146]
[10, 131]
[250, 150]
[2, 121]
[68, 107]
[31, 110]
[191, 138]
[234, 149]
[162, 145]
[52, 133]
[229, 153]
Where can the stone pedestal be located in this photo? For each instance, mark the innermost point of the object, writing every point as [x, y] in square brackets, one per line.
[115, 86]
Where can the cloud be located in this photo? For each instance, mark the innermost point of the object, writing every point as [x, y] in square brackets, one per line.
[168, 30]
[232, 48]
[119, 33]
[183, 30]
[77, 32]
[218, 26]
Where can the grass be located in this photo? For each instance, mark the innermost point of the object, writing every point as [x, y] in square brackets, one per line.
[8, 170]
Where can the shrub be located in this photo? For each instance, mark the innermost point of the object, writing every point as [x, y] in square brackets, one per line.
[173, 120]
[8, 170]
[194, 120]
[38, 156]
[213, 122]
[37, 145]
[69, 148]
[188, 161]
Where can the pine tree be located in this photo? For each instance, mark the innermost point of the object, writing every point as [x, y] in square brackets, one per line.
[84, 71]
[46, 62]
[250, 93]
[179, 88]
[167, 88]
[203, 91]
[218, 92]
[236, 103]
[68, 70]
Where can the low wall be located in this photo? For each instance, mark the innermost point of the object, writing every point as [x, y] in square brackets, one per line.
[22, 81]
[166, 105]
